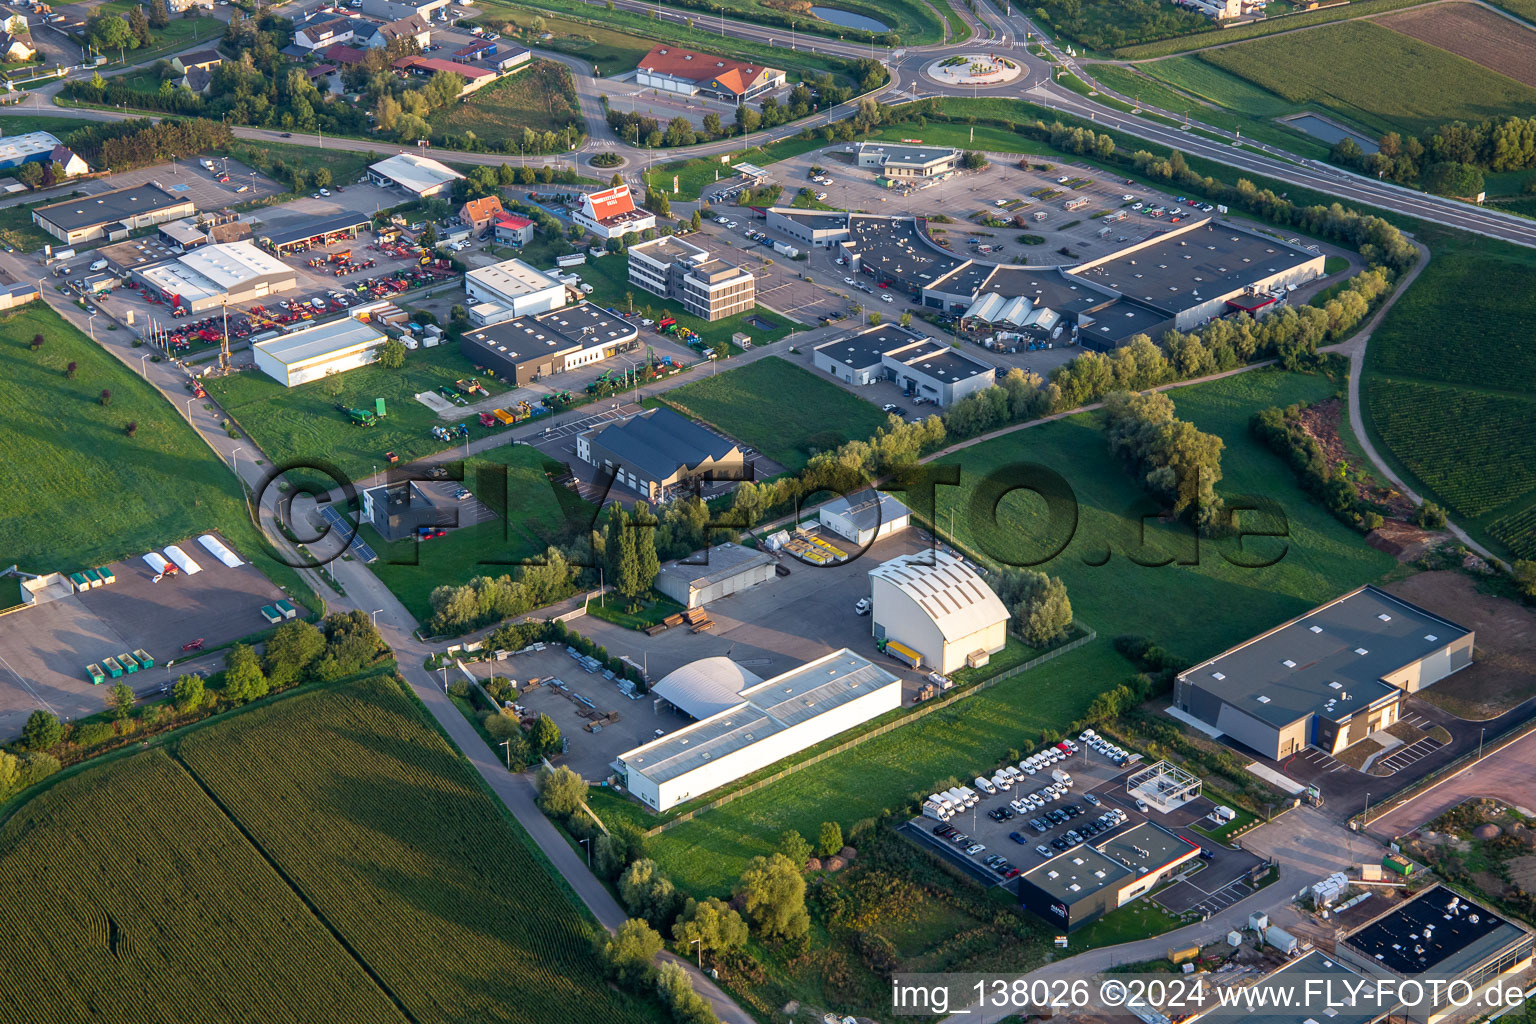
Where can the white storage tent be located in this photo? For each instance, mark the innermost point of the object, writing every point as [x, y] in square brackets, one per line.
[155, 562]
[182, 560]
[218, 549]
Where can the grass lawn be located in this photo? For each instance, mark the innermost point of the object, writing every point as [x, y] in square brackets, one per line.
[346, 166]
[81, 491]
[1320, 67]
[693, 176]
[750, 403]
[20, 124]
[612, 51]
[1460, 439]
[1195, 610]
[537, 514]
[1139, 920]
[609, 277]
[655, 608]
[540, 97]
[19, 232]
[302, 424]
[181, 34]
[1220, 833]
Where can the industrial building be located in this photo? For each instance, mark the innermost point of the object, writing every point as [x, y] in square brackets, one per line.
[417, 175]
[933, 605]
[513, 229]
[211, 276]
[41, 148]
[612, 213]
[865, 517]
[921, 366]
[682, 72]
[1175, 280]
[398, 510]
[900, 162]
[1086, 882]
[1326, 679]
[16, 293]
[730, 569]
[313, 233]
[703, 688]
[708, 287]
[111, 215]
[510, 288]
[1290, 995]
[394, 10]
[1443, 935]
[526, 348]
[774, 719]
[655, 452]
[312, 353]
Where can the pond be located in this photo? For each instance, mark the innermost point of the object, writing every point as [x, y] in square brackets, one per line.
[848, 19]
[1329, 131]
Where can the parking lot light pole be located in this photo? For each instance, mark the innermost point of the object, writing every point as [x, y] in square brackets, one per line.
[375, 617]
[143, 370]
[234, 457]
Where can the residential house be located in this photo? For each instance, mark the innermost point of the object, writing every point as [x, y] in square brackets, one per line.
[16, 48]
[514, 230]
[479, 214]
[412, 27]
[320, 34]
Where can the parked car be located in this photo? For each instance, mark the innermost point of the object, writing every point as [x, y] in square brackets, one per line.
[974, 849]
[1044, 851]
[1091, 799]
[1018, 837]
[1141, 805]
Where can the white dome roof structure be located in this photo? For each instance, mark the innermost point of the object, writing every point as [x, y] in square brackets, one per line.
[706, 687]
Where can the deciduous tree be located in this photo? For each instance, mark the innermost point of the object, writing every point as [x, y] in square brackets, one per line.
[42, 731]
[772, 890]
[188, 693]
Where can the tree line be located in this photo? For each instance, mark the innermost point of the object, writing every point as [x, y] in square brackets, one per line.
[124, 145]
[1452, 159]
[1177, 463]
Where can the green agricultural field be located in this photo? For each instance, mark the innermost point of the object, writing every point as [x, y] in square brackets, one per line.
[1264, 27]
[609, 278]
[540, 97]
[371, 878]
[1460, 436]
[605, 49]
[537, 514]
[1523, 8]
[1195, 610]
[81, 492]
[752, 403]
[1210, 83]
[1322, 66]
[302, 424]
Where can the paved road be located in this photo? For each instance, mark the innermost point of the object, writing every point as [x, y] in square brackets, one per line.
[1503, 775]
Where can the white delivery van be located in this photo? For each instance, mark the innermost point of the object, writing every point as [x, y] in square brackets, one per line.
[1061, 776]
[985, 785]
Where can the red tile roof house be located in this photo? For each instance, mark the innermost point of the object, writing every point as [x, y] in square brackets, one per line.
[475, 77]
[689, 73]
[479, 214]
[514, 230]
[612, 213]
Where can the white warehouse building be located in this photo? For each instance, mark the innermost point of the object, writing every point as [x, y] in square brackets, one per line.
[312, 353]
[933, 604]
[511, 288]
[768, 722]
[865, 517]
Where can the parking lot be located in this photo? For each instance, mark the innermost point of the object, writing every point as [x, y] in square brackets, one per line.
[1098, 788]
[186, 178]
[44, 650]
[777, 625]
[590, 753]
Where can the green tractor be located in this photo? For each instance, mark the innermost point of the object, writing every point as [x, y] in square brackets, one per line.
[358, 417]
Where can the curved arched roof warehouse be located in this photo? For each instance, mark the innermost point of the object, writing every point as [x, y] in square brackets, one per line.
[706, 687]
[935, 604]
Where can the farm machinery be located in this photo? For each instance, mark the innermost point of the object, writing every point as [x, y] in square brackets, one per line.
[557, 399]
[472, 387]
[449, 433]
[358, 417]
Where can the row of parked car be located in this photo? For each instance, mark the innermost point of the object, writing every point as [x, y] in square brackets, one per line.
[1075, 836]
[1106, 748]
[997, 863]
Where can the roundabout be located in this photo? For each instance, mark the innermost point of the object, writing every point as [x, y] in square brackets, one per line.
[975, 70]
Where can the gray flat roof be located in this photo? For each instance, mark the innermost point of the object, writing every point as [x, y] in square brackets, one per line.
[863, 348]
[1078, 874]
[106, 207]
[892, 247]
[943, 362]
[311, 228]
[580, 326]
[1328, 662]
[777, 704]
[909, 156]
[1290, 1001]
[1186, 268]
[1146, 847]
[1438, 931]
[725, 561]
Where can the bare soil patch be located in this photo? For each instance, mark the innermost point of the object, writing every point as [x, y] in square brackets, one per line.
[1503, 672]
[1476, 33]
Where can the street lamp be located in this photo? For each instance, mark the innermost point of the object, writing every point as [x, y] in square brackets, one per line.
[508, 745]
[189, 408]
[90, 325]
[143, 370]
[375, 617]
[234, 457]
[588, 844]
[700, 951]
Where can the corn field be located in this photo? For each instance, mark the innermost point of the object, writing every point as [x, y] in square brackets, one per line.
[327, 858]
